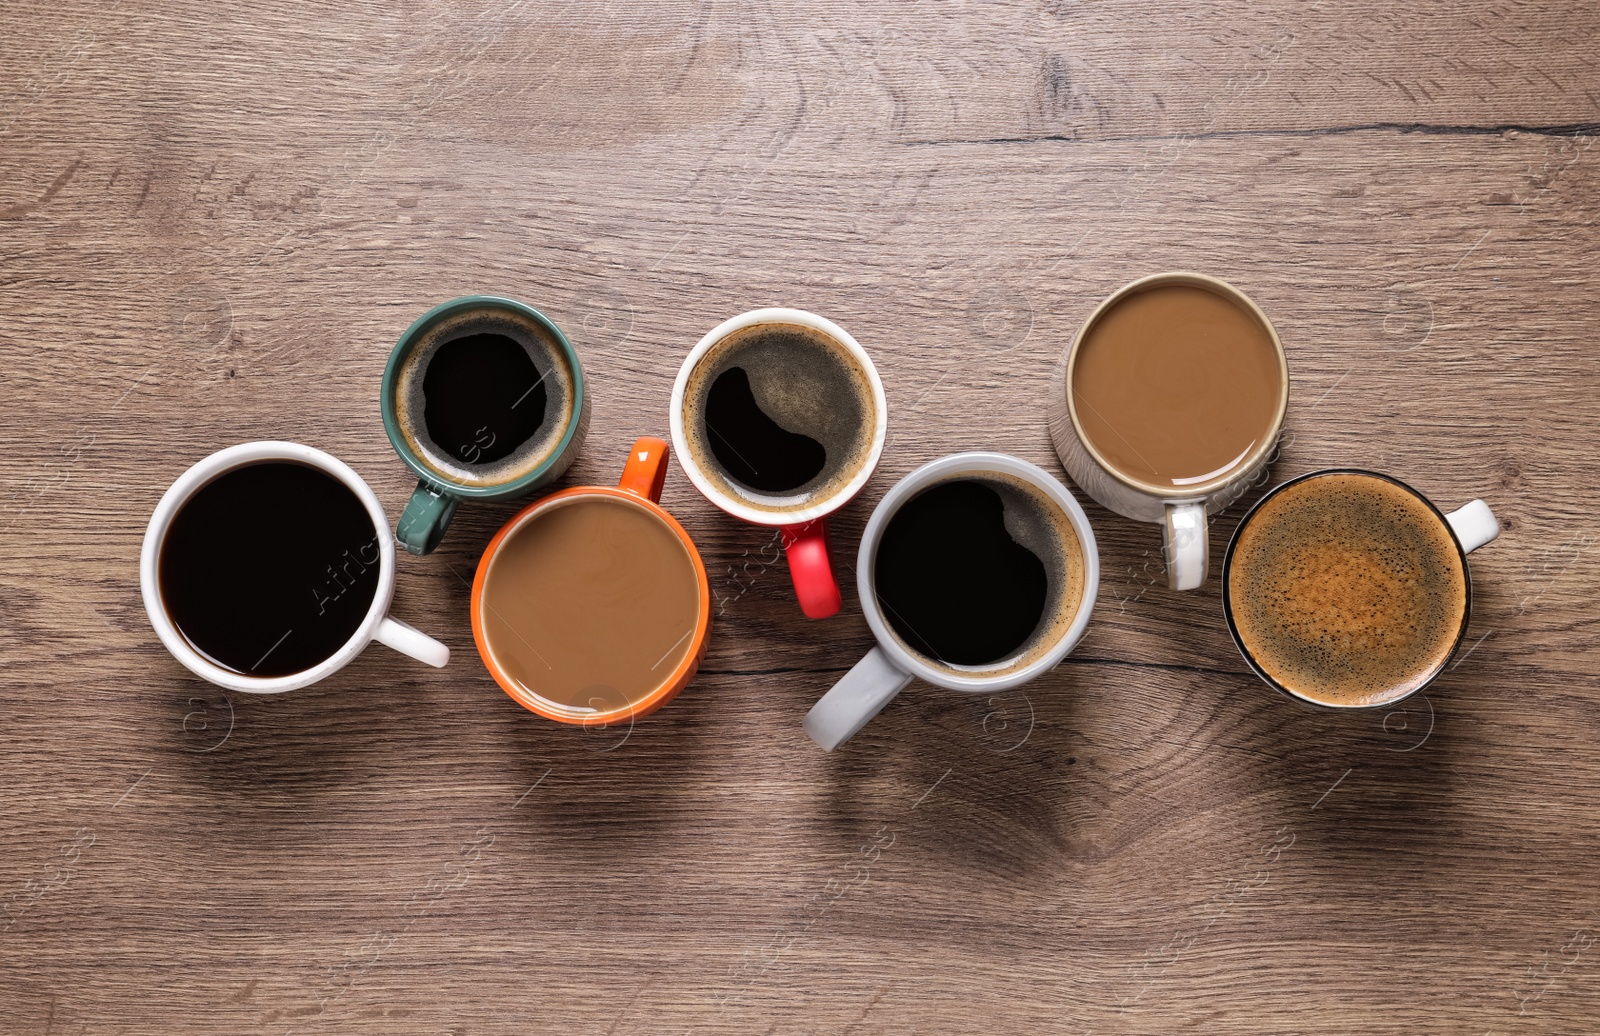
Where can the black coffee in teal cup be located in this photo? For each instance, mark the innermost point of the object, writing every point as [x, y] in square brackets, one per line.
[484, 399]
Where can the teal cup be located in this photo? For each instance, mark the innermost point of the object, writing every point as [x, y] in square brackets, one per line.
[484, 399]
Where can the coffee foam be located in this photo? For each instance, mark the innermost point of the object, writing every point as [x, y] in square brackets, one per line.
[1038, 523]
[805, 381]
[1347, 589]
[548, 357]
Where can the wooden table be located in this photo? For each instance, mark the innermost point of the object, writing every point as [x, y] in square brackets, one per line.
[215, 219]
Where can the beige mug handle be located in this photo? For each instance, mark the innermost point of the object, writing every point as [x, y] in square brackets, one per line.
[1185, 545]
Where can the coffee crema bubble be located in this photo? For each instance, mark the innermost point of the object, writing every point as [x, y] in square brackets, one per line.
[779, 416]
[485, 396]
[1347, 589]
[980, 574]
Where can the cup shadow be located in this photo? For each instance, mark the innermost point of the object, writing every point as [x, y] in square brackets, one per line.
[1101, 757]
[978, 780]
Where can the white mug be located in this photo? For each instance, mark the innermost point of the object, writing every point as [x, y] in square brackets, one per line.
[378, 625]
[802, 521]
[874, 681]
[1181, 511]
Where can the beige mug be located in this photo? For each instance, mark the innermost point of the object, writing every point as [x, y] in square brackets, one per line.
[1179, 504]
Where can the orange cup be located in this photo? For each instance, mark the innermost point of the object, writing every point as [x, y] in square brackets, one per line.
[640, 488]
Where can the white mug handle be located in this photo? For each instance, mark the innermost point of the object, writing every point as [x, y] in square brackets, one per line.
[408, 640]
[1185, 545]
[855, 699]
[1474, 525]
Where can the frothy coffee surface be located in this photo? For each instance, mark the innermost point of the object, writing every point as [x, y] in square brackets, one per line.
[779, 416]
[484, 396]
[1175, 385]
[1347, 589]
[979, 572]
[591, 605]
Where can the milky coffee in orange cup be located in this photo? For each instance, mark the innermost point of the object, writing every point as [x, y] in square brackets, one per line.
[591, 606]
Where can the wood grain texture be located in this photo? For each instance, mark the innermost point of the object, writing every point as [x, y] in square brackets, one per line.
[215, 219]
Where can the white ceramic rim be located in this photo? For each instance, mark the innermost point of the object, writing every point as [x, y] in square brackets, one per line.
[974, 464]
[186, 486]
[737, 508]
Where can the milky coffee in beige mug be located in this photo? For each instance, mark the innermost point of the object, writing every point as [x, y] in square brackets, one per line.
[1167, 405]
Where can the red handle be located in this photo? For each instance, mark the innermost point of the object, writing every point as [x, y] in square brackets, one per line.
[646, 470]
[811, 569]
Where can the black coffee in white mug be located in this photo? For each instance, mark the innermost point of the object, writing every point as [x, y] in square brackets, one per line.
[268, 566]
[779, 418]
[297, 594]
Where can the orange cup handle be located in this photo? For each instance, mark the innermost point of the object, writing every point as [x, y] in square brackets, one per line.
[646, 470]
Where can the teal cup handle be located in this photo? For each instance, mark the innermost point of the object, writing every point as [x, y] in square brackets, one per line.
[426, 517]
